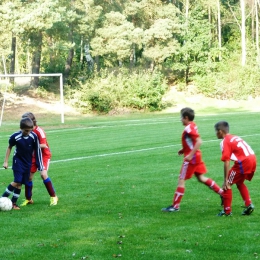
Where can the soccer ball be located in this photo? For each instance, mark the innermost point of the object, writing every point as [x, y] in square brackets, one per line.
[5, 204]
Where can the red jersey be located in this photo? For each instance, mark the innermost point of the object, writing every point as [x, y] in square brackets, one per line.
[234, 148]
[46, 153]
[189, 137]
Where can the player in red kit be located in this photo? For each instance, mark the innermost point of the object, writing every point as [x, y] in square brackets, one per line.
[46, 156]
[192, 163]
[235, 149]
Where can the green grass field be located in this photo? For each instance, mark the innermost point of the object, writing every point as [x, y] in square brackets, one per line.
[113, 175]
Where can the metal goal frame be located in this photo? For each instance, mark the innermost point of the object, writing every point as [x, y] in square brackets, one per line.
[37, 75]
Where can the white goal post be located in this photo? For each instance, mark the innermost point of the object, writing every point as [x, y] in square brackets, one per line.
[37, 75]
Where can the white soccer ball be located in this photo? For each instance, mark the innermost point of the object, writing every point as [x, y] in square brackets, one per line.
[5, 204]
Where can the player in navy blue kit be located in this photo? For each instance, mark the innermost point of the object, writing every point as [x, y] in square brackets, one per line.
[46, 157]
[26, 144]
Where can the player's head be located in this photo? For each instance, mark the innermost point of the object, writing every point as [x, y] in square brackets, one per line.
[221, 128]
[188, 113]
[31, 116]
[26, 125]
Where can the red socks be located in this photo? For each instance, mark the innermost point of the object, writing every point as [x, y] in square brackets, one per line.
[212, 185]
[244, 194]
[227, 195]
[178, 196]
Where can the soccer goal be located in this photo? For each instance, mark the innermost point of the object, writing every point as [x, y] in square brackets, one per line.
[36, 75]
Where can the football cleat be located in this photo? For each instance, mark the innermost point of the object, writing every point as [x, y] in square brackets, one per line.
[223, 213]
[16, 207]
[26, 202]
[54, 201]
[170, 209]
[248, 210]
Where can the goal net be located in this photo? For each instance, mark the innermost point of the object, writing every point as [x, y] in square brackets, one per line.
[6, 76]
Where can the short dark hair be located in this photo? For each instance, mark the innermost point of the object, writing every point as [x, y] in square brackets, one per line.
[31, 116]
[222, 125]
[26, 122]
[187, 111]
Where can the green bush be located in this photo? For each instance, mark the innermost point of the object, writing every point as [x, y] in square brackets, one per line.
[230, 81]
[121, 89]
[99, 102]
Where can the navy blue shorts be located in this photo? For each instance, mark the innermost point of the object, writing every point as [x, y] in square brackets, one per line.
[21, 172]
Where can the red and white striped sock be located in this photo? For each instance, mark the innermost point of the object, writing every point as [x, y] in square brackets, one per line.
[178, 197]
[213, 185]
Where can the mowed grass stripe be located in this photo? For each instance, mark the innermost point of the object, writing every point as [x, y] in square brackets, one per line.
[111, 205]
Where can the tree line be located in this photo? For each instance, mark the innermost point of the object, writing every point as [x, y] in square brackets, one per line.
[199, 41]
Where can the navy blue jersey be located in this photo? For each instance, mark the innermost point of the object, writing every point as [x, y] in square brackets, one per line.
[25, 147]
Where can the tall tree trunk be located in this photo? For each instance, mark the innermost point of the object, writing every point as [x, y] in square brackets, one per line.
[36, 58]
[12, 64]
[89, 59]
[4, 63]
[187, 72]
[51, 47]
[243, 32]
[28, 63]
[210, 21]
[97, 62]
[219, 30]
[187, 25]
[253, 21]
[68, 64]
[132, 57]
[81, 53]
[69, 58]
[257, 32]
[187, 9]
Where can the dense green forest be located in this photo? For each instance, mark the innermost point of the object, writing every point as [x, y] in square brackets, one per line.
[126, 53]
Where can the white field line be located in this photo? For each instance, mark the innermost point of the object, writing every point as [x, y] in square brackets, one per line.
[100, 127]
[112, 154]
[129, 152]
[153, 121]
[133, 151]
[149, 121]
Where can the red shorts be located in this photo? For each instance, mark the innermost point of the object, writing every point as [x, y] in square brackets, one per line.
[46, 163]
[242, 171]
[188, 169]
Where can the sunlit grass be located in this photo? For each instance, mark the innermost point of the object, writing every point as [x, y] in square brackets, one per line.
[113, 176]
